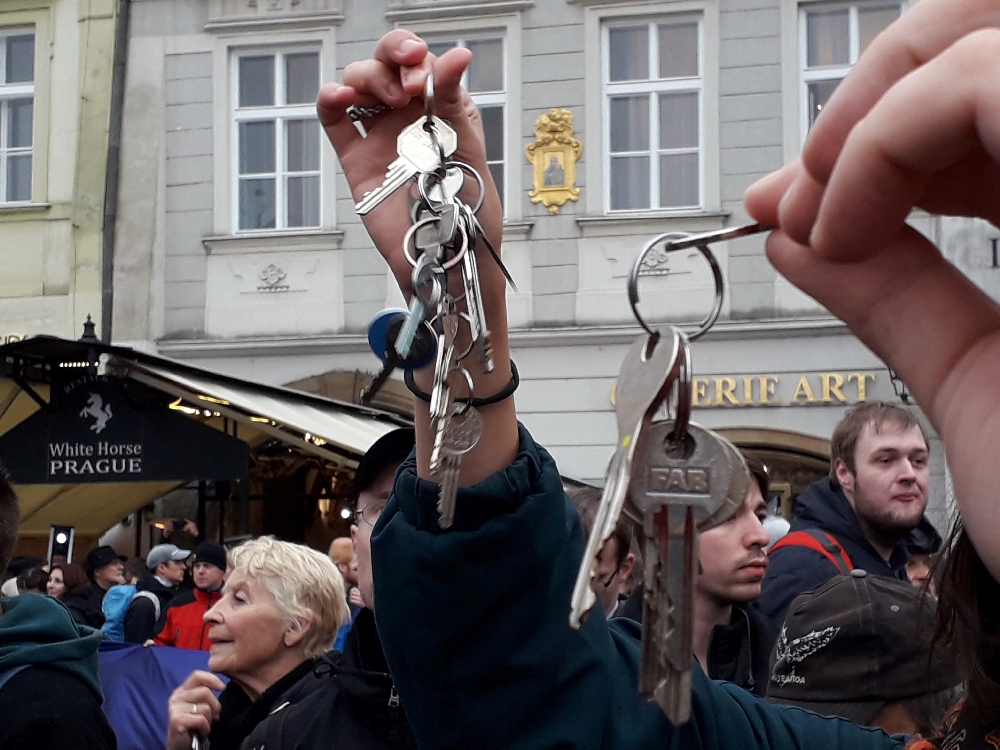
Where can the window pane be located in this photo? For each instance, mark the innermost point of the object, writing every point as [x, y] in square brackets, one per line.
[678, 50]
[257, 81]
[20, 58]
[828, 38]
[303, 201]
[496, 170]
[678, 180]
[257, 204]
[486, 68]
[19, 123]
[629, 53]
[629, 182]
[493, 126]
[19, 178]
[679, 120]
[303, 145]
[256, 147]
[630, 123]
[301, 78]
[819, 94]
[873, 21]
[439, 48]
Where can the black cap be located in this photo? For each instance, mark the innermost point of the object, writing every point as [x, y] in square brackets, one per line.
[857, 643]
[390, 449]
[101, 556]
[924, 540]
[212, 553]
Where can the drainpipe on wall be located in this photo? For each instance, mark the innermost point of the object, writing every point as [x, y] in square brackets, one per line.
[112, 174]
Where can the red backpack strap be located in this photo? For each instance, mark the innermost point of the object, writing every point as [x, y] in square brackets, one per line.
[818, 541]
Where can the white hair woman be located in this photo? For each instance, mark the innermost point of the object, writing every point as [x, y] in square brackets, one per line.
[281, 608]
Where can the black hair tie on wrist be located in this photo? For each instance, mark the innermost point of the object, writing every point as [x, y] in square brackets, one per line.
[496, 398]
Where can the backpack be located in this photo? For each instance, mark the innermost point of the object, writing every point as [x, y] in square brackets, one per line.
[115, 607]
[818, 541]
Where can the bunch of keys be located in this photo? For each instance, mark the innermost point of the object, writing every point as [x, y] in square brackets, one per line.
[443, 235]
[674, 479]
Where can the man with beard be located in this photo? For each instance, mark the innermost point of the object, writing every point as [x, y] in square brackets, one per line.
[861, 515]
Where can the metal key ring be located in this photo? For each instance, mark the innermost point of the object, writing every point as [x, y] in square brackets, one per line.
[720, 284]
[424, 178]
[429, 125]
[467, 401]
[448, 265]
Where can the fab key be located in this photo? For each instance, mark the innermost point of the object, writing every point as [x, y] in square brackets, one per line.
[684, 478]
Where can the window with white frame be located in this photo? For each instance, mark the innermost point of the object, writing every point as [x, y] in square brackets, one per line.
[652, 113]
[833, 36]
[277, 140]
[17, 104]
[486, 82]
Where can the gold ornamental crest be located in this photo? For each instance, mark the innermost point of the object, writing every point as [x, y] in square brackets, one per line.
[554, 155]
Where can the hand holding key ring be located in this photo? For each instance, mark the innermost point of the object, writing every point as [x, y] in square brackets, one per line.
[682, 241]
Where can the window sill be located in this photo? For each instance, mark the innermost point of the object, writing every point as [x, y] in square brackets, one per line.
[517, 230]
[16, 208]
[652, 221]
[407, 10]
[271, 242]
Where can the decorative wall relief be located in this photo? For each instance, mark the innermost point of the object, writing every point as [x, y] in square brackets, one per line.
[554, 155]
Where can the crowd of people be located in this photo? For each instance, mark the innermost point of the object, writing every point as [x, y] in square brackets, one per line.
[414, 636]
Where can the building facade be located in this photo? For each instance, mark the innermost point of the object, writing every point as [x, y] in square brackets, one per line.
[56, 65]
[238, 249]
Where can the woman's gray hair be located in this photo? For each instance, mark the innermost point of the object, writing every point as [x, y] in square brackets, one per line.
[305, 583]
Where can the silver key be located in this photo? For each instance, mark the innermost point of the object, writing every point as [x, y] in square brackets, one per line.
[644, 381]
[417, 153]
[463, 431]
[477, 313]
[677, 484]
[441, 400]
[426, 294]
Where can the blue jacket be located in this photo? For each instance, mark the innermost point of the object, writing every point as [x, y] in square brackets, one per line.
[794, 570]
[475, 625]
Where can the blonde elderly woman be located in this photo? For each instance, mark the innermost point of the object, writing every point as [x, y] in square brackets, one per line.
[281, 608]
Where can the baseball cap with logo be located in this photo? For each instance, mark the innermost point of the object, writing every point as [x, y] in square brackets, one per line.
[856, 644]
[161, 553]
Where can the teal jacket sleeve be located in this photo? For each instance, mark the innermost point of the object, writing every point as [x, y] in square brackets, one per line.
[475, 626]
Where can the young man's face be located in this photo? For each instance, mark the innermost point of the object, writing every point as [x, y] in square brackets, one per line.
[732, 556]
[888, 488]
[172, 570]
[371, 503]
[208, 577]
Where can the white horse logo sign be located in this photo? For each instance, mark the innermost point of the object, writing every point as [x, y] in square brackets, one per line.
[99, 411]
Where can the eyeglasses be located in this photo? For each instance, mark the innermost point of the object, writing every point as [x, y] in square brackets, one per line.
[369, 513]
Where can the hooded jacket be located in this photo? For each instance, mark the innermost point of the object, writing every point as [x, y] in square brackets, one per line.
[794, 570]
[54, 702]
[142, 621]
[349, 702]
[185, 626]
[482, 660]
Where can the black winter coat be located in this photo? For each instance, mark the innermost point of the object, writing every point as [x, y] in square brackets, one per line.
[795, 570]
[347, 702]
[84, 603]
[142, 621]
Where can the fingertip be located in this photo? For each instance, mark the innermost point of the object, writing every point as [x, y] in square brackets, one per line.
[332, 101]
[799, 207]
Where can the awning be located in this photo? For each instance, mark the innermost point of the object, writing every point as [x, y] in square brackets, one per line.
[252, 412]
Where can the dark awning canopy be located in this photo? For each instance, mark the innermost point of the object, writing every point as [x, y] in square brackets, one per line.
[91, 432]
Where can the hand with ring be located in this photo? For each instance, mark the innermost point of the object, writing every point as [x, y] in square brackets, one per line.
[192, 708]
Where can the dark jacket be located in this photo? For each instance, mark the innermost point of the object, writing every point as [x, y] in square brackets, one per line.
[84, 603]
[348, 703]
[184, 624]
[475, 625]
[55, 701]
[142, 621]
[739, 652]
[795, 570]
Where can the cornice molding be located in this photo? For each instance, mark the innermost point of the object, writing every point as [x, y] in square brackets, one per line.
[234, 244]
[404, 10]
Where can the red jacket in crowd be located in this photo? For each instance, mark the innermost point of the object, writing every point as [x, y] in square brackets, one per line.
[185, 626]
